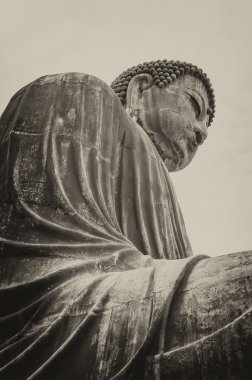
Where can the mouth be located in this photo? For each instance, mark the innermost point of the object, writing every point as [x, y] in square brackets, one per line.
[177, 154]
[184, 147]
[183, 152]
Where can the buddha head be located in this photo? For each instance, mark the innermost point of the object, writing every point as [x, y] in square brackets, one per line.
[173, 102]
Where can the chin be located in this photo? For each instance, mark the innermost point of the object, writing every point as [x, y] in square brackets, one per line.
[174, 167]
[179, 162]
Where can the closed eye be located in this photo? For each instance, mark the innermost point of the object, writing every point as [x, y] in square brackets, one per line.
[196, 105]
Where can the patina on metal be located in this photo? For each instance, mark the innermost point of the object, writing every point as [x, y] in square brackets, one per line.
[98, 280]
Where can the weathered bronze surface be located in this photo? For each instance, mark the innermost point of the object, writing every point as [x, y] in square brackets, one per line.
[93, 244]
[208, 333]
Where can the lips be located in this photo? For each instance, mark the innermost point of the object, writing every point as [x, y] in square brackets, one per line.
[177, 154]
[184, 151]
[168, 149]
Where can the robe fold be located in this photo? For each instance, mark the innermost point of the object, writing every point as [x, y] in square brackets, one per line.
[92, 241]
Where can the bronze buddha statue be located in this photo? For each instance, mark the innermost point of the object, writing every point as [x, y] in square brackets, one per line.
[98, 280]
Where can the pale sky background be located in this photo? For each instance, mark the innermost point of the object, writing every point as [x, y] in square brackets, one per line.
[105, 37]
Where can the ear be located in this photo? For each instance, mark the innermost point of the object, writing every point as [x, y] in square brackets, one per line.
[135, 89]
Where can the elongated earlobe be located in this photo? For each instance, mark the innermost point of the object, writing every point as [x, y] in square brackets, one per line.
[137, 85]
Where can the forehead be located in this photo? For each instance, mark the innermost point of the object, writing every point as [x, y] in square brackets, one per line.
[192, 85]
[182, 85]
[191, 82]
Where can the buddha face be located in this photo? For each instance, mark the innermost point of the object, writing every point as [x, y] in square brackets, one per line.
[175, 118]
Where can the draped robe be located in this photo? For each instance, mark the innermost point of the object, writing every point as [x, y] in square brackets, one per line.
[93, 244]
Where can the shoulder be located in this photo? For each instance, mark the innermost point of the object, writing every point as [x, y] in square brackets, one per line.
[60, 93]
[72, 79]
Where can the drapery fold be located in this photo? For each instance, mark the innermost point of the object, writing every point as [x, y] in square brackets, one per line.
[89, 232]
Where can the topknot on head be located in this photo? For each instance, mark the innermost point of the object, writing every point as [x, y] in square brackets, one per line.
[163, 73]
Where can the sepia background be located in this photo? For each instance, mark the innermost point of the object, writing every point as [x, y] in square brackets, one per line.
[105, 37]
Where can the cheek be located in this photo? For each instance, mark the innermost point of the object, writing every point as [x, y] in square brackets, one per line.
[172, 124]
[187, 113]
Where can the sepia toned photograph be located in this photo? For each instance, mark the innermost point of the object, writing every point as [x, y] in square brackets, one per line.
[125, 190]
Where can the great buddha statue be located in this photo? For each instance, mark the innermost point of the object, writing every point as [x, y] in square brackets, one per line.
[98, 280]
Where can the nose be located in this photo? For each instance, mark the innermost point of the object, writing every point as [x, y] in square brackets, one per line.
[200, 132]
